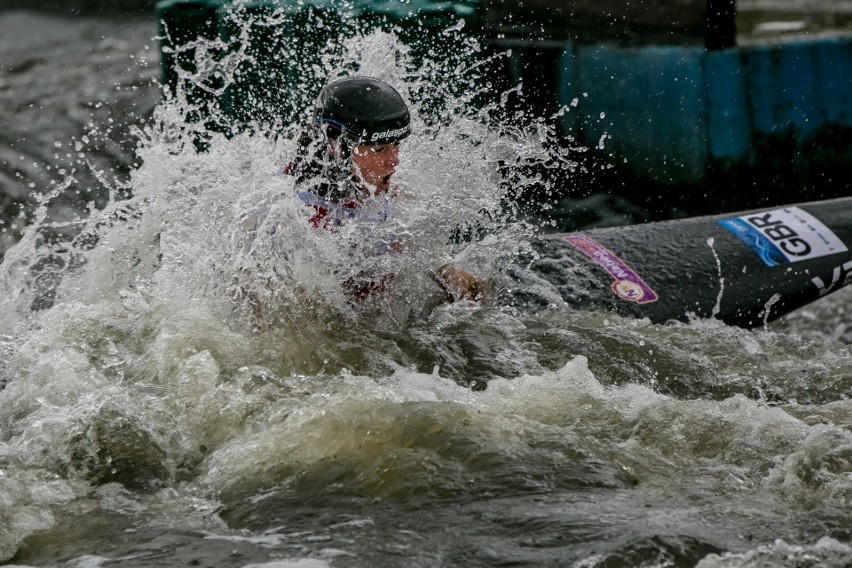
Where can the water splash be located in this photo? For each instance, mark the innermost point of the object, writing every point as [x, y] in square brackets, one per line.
[718, 306]
[144, 396]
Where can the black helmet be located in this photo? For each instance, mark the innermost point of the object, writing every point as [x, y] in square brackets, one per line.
[366, 110]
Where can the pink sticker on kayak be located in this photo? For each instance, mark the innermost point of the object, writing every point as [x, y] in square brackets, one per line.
[628, 285]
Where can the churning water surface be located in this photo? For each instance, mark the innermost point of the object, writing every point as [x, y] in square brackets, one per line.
[149, 419]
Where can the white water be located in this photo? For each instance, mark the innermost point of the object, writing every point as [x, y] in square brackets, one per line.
[148, 420]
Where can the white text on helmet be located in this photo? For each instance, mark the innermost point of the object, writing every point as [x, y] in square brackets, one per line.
[390, 133]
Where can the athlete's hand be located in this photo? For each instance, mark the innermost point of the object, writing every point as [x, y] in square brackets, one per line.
[460, 285]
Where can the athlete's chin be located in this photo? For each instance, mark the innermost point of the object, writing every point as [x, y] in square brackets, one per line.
[382, 185]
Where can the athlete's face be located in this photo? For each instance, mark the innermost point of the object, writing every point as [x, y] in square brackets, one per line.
[374, 164]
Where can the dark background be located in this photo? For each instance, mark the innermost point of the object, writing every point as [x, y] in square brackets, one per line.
[88, 7]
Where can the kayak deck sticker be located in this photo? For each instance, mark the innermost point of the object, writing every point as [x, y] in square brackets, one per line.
[784, 236]
[627, 285]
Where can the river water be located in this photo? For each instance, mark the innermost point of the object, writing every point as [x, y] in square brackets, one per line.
[150, 419]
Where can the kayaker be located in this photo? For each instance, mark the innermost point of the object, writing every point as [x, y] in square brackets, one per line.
[344, 165]
[345, 160]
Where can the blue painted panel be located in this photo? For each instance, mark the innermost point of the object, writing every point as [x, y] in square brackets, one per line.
[679, 87]
[795, 87]
[760, 73]
[833, 71]
[728, 121]
[613, 102]
[647, 107]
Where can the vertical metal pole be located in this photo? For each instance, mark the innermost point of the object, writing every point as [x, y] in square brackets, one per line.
[721, 31]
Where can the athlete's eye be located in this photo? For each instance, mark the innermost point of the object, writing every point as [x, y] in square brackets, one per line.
[383, 148]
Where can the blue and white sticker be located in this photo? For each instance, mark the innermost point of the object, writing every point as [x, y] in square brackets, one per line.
[784, 236]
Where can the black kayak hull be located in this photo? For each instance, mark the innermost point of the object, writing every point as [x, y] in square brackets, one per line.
[745, 268]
